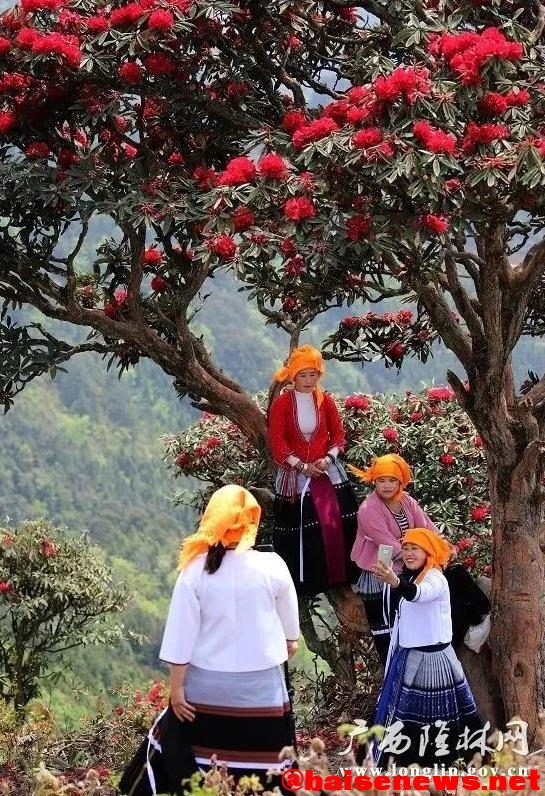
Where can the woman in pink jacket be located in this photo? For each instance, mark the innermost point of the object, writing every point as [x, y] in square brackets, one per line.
[383, 517]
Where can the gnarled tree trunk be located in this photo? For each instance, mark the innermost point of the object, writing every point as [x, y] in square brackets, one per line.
[518, 594]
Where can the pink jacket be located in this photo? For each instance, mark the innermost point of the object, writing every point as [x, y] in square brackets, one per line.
[376, 526]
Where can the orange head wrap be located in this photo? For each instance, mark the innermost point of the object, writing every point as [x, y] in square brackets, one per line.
[306, 357]
[437, 548]
[389, 466]
[232, 515]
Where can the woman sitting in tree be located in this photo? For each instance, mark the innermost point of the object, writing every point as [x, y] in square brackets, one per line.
[315, 506]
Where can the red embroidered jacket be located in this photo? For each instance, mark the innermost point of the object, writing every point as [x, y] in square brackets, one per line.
[285, 437]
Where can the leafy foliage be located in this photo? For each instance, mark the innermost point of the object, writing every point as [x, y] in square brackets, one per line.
[56, 593]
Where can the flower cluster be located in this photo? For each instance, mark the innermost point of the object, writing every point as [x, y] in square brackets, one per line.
[468, 52]
[433, 139]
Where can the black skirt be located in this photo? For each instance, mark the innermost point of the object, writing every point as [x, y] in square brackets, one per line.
[291, 523]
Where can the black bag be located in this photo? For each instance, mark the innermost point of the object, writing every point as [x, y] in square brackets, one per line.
[174, 763]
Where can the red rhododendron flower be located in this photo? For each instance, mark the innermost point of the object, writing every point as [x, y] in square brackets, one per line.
[493, 104]
[299, 208]
[369, 137]
[295, 267]
[5, 45]
[315, 131]
[416, 417]
[433, 139]
[355, 116]
[358, 94]
[37, 151]
[159, 64]
[437, 224]
[403, 317]
[290, 304]
[288, 247]
[238, 172]
[161, 19]
[407, 81]
[48, 549]
[464, 544]
[447, 459]
[7, 541]
[453, 185]
[26, 38]
[8, 120]
[152, 256]
[479, 513]
[395, 350]
[273, 167]
[293, 120]
[54, 43]
[350, 322]
[159, 284]
[224, 246]
[66, 158]
[390, 434]
[182, 460]
[294, 43]
[128, 14]
[482, 134]
[130, 73]
[359, 402]
[337, 110]
[243, 219]
[176, 159]
[5, 587]
[358, 227]
[467, 52]
[440, 394]
[30, 6]
[205, 178]
[129, 150]
[517, 97]
[97, 24]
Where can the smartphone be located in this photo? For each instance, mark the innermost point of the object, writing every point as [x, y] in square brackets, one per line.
[385, 553]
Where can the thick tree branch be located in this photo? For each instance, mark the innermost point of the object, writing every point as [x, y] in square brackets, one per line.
[540, 25]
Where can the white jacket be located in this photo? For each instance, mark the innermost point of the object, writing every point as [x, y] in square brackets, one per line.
[426, 620]
[236, 620]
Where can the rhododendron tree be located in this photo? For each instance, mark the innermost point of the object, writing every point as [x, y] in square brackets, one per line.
[427, 176]
[56, 593]
[189, 126]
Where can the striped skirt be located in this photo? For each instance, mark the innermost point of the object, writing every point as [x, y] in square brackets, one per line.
[243, 718]
[315, 539]
[427, 695]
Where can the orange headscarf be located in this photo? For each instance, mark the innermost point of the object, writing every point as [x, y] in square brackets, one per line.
[232, 515]
[437, 548]
[389, 466]
[303, 358]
